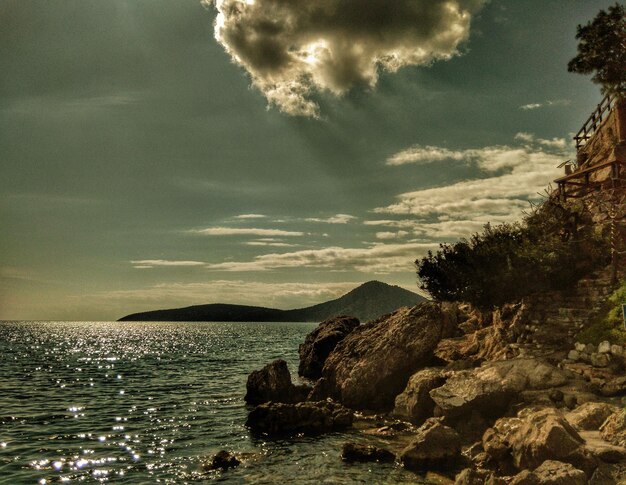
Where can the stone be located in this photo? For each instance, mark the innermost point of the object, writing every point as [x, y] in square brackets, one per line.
[436, 447]
[491, 388]
[373, 364]
[604, 347]
[570, 401]
[353, 452]
[471, 476]
[534, 436]
[600, 360]
[613, 429]
[579, 347]
[590, 415]
[551, 472]
[556, 395]
[273, 383]
[585, 357]
[310, 418]
[617, 350]
[222, 460]
[321, 342]
[525, 477]
[590, 349]
[573, 355]
[614, 387]
[414, 404]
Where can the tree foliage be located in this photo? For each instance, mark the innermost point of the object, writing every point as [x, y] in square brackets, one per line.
[551, 249]
[602, 49]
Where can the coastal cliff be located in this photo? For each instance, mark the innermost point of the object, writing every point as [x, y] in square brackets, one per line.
[529, 391]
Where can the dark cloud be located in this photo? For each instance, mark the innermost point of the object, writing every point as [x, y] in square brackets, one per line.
[291, 48]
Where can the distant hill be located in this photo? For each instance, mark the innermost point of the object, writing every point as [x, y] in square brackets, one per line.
[366, 302]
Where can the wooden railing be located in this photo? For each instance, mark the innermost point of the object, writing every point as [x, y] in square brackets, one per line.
[594, 121]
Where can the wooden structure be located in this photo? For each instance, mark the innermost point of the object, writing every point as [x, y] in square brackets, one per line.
[601, 152]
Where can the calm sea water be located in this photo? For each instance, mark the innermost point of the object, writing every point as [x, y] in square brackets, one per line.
[144, 403]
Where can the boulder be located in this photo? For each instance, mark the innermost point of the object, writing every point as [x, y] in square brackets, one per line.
[372, 365]
[436, 447]
[615, 386]
[535, 436]
[414, 404]
[273, 383]
[321, 342]
[353, 452]
[551, 472]
[614, 428]
[600, 359]
[222, 460]
[617, 350]
[491, 388]
[590, 415]
[604, 347]
[279, 419]
[573, 355]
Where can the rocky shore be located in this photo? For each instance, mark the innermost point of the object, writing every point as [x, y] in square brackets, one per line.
[457, 391]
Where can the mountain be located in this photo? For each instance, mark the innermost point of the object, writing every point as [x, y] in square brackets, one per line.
[366, 302]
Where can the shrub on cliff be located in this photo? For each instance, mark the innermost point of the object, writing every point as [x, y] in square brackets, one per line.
[551, 249]
[609, 325]
[602, 49]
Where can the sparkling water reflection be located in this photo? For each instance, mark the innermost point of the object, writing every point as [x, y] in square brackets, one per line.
[147, 403]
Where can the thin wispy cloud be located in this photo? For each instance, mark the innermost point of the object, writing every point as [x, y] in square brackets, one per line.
[280, 295]
[375, 258]
[242, 231]
[552, 102]
[152, 263]
[293, 49]
[250, 216]
[336, 219]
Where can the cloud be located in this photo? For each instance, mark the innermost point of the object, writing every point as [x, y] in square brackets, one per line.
[420, 155]
[270, 244]
[151, 263]
[376, 258]
[550, 102]
[292, 49]
[250, 216]
[508, 177]
[336, 219]
[279, 295]
[385, 235]
[239, 231]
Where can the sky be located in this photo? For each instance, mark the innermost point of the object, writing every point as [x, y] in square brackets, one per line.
[161, 153]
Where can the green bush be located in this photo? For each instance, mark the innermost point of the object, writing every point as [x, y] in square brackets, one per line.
[609, 326]
[552, 248]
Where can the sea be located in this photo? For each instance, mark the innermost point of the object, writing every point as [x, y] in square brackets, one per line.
[152, 402]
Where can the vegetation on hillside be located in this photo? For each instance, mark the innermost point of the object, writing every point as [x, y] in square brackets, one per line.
[602, 49]
[610, 324]
[551, 249]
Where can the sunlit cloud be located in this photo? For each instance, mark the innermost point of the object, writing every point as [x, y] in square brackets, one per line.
[241, 231]
[550, 102]
[375, 258]
[336, 219]
[250, 216]
[152, 263]
[293, 49]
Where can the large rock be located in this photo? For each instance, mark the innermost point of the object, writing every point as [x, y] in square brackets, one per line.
[278, 419]
[551, 472]
[535, 436]
[614, 428]
[414, 404]
[435, 447]
[372, 365]
[321, 342]
[590, 415]
[273, 383]
[491, 388]
[614, 387]
[353, 452]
